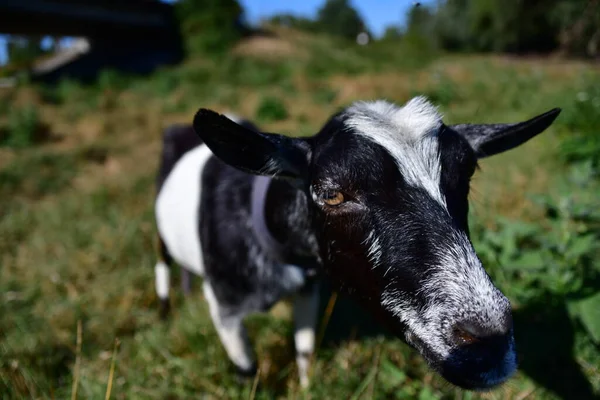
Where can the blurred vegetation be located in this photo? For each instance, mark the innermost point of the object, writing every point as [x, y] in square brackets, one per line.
[24, 128]
[77, 227]
[539, 26]
[570, 27]
[338, 17]
[209, 25]
[271, 109]
[335, 17]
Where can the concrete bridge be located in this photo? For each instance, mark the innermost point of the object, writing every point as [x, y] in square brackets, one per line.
[129, 35]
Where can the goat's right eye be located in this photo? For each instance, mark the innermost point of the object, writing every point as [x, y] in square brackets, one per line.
[333, 198]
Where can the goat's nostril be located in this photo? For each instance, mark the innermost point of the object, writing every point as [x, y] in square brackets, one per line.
[471, 332]
[464, 335]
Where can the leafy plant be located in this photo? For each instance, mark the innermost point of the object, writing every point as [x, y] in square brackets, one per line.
[210, 25]
[24, 129]
[555, 259]
[271, 109]
[581, 115]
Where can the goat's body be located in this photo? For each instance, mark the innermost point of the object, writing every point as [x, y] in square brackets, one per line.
[205, 223]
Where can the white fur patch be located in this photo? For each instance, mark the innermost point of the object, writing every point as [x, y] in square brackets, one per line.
[232, 333]
[374, 252]
[162, 281]
[177, 208]
[305, 321]
[408, 133]
[292, 278]
[458, 288]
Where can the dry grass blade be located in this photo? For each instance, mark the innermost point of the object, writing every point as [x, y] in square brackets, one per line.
[111, 374]
[77, 362]
[255, 384]
[325, 320]
[324, 323]
[376, 370]
[370, 378]
[525, 394]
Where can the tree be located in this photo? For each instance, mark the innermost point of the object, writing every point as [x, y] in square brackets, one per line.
[519, 26]
[579, 22]
[392, 32]
[210, 25]
[338, 17]
[293, 21]
[420, 21]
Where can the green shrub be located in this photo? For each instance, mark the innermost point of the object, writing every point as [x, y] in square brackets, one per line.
[24, 129]
[209, 26]
[271, 109]
[581, 115]
[246, 71]
[324, 95]
[109, 79]
[4, 105]
[555, 263]
[338, 17]
[77, 97]
[443, 92]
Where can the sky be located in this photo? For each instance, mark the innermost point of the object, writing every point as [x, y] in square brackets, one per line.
[377, 14]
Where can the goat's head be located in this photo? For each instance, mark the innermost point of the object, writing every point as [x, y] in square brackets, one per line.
[387, 189]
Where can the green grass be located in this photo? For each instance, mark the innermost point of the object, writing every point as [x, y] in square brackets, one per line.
[77, 229]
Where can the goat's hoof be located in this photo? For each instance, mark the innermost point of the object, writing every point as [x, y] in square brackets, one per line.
[164, 309]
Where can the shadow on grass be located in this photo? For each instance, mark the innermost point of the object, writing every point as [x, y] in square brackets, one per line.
[544, 334]
[545, 337]
[19, 367]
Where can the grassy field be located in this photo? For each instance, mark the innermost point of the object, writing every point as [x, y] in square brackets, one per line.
[78, 311]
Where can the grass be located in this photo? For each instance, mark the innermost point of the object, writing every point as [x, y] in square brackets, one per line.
[76, 223]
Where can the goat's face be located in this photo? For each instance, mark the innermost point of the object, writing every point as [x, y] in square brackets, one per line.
[387, 189]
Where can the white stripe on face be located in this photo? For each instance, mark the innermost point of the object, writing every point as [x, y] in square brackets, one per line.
[408, 133]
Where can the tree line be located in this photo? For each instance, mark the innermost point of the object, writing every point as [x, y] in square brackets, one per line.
[570, 27]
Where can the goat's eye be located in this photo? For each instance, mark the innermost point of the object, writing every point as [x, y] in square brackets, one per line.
[333, 198]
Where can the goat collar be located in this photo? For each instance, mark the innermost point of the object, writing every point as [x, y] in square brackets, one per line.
[272, 246]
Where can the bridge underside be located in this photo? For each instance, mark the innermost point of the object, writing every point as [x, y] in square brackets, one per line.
[129, 35]
[128, 19]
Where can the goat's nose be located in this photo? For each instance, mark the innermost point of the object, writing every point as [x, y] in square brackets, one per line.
[471, 331]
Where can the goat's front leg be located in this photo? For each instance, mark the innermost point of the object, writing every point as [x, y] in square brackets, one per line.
[306, 303]
[233, 335]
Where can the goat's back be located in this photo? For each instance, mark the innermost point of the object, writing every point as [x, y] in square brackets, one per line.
[177, 140]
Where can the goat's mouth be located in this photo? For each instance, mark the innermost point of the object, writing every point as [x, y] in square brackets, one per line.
[477, 366]
[481, 368]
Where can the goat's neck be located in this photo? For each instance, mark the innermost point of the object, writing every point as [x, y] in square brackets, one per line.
[288, 220]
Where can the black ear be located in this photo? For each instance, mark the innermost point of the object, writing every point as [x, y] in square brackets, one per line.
[252, 151]
[490, 139]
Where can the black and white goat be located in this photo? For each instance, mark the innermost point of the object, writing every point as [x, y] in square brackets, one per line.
[377, 200]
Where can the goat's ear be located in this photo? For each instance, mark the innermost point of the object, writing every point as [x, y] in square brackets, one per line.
[490, 139]
[252, 151]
